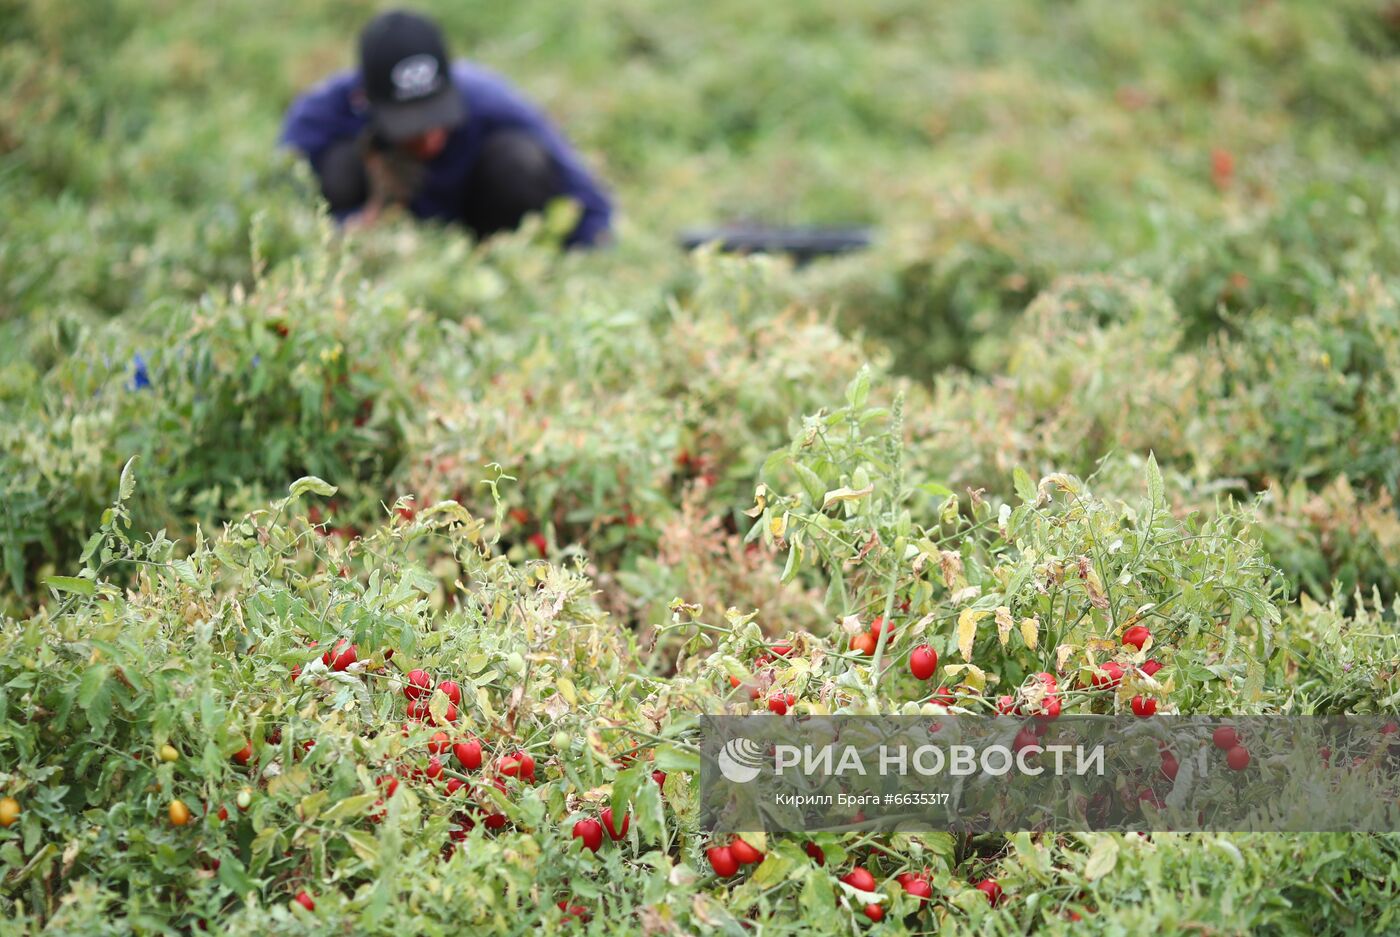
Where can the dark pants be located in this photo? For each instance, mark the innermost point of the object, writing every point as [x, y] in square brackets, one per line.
[513, 176]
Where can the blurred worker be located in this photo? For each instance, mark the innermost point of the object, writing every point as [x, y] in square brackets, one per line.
[449, 141]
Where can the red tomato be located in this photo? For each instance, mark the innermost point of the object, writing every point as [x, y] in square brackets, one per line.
[736, 683]
[615, 832]
[1026, 738]
[1006, 705]
[1150, 667]
[743, 853]
[860, 879]
[919, 888]
[1049, 709]
[591, 832]
[1169, 766]
[521, 765]
[341, 656]
[878, 625]
[1144, 706]
[434, 768]
[863, 643]
[778, 705]
[243, 754]
[438, 743]
[305, 901]
[574, 911]
[943, 697]
[452, 691]
[1136, 636]
[1225, 738]
[419, 684]
[722, 861]
[1110, 676]
[990, 888]
[468, 754]
[1222, 167]
[1237, 758]
[816, 852]
[782, 650]
[923, 661]
[875, 912]
[659, 777]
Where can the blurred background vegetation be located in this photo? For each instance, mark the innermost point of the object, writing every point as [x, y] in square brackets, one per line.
[1206, 196]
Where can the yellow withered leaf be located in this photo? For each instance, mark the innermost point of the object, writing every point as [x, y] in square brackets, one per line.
[1004, 624]
[566, 690]
[967, 629]
[1030, 631]
[760, 501]
[845, 494]
[976, 677]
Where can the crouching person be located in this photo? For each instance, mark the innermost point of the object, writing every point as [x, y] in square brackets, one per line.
[447, 141]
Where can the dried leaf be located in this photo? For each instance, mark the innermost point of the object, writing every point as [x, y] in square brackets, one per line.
[845, 494]
[1004, 624]
[950, 564]
[967, 629]
[1092, 583]
[1058, 480]
[1030, 632]
[760, 501]
[976, 677]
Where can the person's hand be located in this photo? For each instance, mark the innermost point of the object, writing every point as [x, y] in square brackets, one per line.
[365, 218]
[393, 177]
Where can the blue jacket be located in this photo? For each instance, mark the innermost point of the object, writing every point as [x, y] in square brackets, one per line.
[337, 110]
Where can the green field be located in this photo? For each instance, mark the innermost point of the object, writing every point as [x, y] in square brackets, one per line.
[1126, 350]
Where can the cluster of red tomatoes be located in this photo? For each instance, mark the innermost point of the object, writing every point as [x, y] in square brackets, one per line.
[726, 859]
[1041, 697]
[453, 756]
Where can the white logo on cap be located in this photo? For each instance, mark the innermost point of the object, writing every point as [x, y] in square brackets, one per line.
[415, 76]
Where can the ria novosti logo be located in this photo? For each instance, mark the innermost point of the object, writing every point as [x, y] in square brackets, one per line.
[740, 760]
[971, 773]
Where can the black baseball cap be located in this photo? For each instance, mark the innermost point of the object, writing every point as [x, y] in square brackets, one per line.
[407, 76]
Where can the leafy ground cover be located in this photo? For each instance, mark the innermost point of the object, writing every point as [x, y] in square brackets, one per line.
[374, 583]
